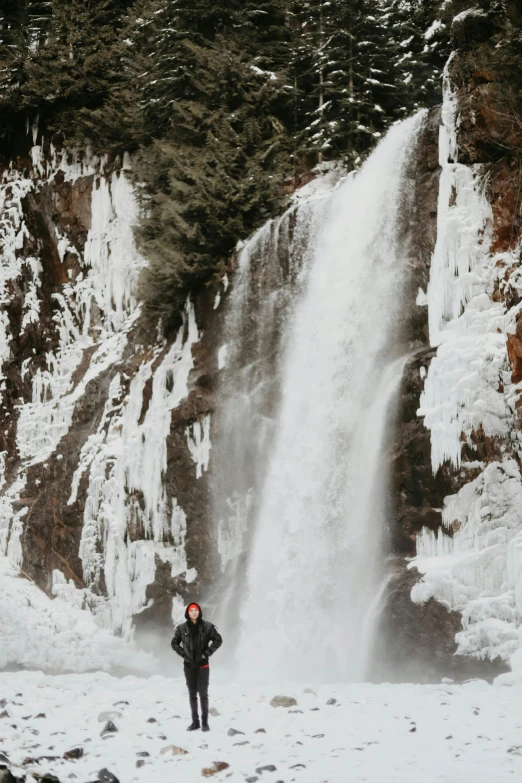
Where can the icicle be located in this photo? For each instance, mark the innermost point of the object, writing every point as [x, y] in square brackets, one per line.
[127, 458]
[461, 392]
[198, 439]
[478, 570]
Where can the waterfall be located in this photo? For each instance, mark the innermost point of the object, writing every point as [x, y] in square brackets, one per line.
[304, 545]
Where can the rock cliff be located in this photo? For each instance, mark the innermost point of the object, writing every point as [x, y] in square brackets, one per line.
[108, 426]
[457, 450]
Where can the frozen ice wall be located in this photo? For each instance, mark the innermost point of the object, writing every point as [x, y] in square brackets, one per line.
[126, 455]
[129, 519]
[472, 564]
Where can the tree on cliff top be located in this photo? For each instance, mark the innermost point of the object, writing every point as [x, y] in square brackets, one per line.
[220, 102]
[212, 170]
[23, 25]
[60, 56]
[421, 49]
[347, 86]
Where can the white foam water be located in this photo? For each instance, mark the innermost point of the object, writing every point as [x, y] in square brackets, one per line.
[314, 572]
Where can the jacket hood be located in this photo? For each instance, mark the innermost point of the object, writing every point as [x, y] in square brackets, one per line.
[199, 607]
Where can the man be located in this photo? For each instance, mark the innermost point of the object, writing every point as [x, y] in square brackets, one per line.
[195, 641]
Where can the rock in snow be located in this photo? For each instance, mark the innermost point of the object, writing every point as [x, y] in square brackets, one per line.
[217, 766]
[109, 728]
[283, 701]
[173, 750]
[105, 776]
[74, 753]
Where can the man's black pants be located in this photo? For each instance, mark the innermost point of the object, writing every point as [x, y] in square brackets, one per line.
[197, 682]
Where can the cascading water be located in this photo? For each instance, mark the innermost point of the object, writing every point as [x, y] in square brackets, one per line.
[313, 535]
[271, 269]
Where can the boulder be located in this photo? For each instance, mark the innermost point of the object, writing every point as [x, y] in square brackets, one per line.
[109, 728]
[106, 776]
[74, 753]
[217, 766]
[173, 750]
[283, 701]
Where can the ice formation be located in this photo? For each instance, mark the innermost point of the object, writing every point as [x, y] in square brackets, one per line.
[198, 439]
[127, 459]
[478, 571]
[461, 390]
[468, 388]
[129, 520]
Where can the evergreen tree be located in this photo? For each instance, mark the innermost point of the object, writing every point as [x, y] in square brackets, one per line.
[212, 170]
[220, 102]
[57, 57]
[23, 24]
[421, 41]
[345, 77]
[76, 66]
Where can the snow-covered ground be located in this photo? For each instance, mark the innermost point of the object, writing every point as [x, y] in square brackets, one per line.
[385, 733]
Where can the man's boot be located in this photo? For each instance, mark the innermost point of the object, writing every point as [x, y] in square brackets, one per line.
[204, 713]
[195, 717]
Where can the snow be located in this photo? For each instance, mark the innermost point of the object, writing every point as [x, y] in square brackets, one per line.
[222, 356]
[422, 298]
[260, 72]
[198, 439]
[373, 733]
[432, 30]
[473, 12]
[328, 174]
[39, 632]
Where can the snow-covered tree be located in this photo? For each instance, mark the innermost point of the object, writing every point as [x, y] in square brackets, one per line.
[345, 76]
[210, 172]
[23, 25]
[421, 42]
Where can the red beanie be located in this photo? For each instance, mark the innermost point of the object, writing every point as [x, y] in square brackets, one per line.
[193, 605]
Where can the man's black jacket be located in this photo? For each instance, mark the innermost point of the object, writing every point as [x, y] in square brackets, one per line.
[196, 644]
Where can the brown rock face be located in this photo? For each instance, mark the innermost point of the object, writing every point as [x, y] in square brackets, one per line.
[514, 348]
[419, 639]
[415, 494]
